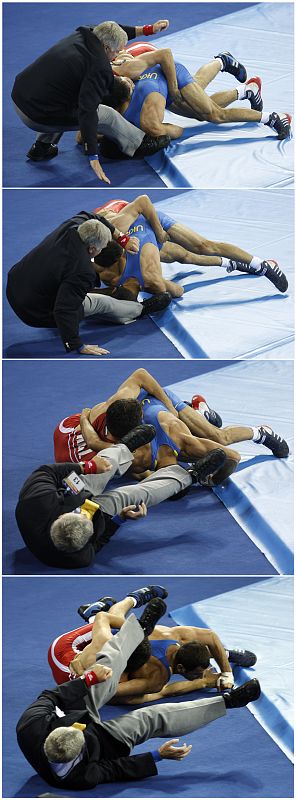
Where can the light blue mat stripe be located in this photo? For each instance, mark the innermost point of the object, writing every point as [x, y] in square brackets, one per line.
[250, 394]
[235, 154]
[236, 315]
[258, 617]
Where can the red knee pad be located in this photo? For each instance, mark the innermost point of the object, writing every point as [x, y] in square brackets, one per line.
[113, 205]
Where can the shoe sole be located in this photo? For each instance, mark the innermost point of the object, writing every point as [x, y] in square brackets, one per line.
[213, 463]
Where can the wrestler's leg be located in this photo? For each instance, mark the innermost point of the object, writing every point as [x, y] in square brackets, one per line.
[153, 279]
[199, 426]
[171, 252]
[186, 237]
[203, 106]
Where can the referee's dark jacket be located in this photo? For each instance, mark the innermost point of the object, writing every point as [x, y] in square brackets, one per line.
[46, 288]
[43, 499]
[66, 84]
[105, 759]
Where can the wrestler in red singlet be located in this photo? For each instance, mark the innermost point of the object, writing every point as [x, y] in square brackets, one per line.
[63, 649]
[69, 444]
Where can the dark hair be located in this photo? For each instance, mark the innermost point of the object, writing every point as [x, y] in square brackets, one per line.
[122, 416]
[139, 656]
[192, 655]
[120, 93]
[109, 254]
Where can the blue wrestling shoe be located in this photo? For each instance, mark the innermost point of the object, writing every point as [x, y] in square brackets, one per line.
[273, 441]
[231, 65]
[143, 596]
[281, 123]
[274, 274]
[242, 658]
[270, 269]
[253, 93]
[199, 403]
[91, 609]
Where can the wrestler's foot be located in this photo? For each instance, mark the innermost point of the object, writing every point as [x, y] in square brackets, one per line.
[154, 610]
[253, 93]
[231, 65]
[142, 596]
[148, 147]
[200, 404]
[273, 441]
[269, 269]
[41, 151]
[242, 658]
[91, 609]
[281, 123]
[137, 437]
[274, 274]
[247, 693]
[207, 466]
[156, 303]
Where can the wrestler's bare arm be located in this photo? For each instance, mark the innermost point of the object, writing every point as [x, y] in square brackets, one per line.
[134, 68]
[89, 434]
[212, 641]
[209, 680]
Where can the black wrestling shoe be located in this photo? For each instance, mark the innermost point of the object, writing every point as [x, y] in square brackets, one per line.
[151, 145]
[148, 147]
[247, 693]
[90, 609]
[142, 596]
[281, 123]
[41, 151]
[154, 610]
[233, 67]
[156, 303]
[242, 658]
[206, 466]
[274, 274]
[273, 441]
[137, 437]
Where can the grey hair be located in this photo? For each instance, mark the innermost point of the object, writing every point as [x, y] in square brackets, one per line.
[111, 35]
[71, 532]
[94, 234]
[63, 744]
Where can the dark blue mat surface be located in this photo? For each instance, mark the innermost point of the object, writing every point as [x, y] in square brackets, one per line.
[233, 757]
[34, 30]
[196, 534]
[38, 214]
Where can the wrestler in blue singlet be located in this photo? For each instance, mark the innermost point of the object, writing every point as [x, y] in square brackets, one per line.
[143, 230]
[159, 648]
[151, 409]
[154, 81]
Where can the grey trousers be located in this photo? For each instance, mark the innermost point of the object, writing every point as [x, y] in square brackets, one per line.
[153, 490]
[105, 307]
[115, 654]
[110, 123]
[165, 720]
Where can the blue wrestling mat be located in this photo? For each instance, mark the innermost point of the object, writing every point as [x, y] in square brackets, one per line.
[235, 154]
[262, 617]
[31, 33]
[247, 763]
[252, 394]
[233, 315]
[198, 525]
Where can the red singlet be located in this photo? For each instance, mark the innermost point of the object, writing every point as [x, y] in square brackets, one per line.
[63, 649]
[69, 445]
